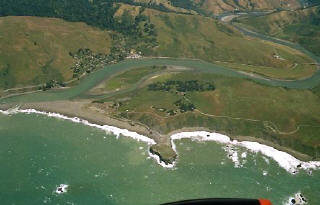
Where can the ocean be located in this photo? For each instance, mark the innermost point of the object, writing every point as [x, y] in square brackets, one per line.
[39, 153]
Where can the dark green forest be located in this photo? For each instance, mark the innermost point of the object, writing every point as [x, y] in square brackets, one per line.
[98, 13]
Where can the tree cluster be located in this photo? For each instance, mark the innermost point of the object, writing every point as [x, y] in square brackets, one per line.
[184, 105]
[182, 86]
[51, 84]
[87, 61]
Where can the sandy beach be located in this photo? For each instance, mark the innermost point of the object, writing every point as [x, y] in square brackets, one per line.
[83, 109]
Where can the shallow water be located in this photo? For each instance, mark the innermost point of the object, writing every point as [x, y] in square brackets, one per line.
[38, 153]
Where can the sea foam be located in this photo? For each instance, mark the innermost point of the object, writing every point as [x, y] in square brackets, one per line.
[285, 160]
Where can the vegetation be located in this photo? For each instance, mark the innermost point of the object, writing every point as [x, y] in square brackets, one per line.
[142, 38]
[236, 107]
[97, 13]
[181, 86]
[36, 50]
[301, 26]
[184, 105]
[127, 79]
[297, 71]
[316, 90]
[213, 41]
[176, 86]
[51, 84]
[165, 152]
[87, 61]
[218, 7]
[63, 50]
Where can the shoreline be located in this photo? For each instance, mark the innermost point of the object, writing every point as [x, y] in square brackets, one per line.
[285, 160]
[296, 154]
[80, 109]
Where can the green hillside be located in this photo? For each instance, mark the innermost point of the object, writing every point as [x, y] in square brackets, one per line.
[193, 36]
[35, 50]
[301, 26]
[216, 7]
[220, 6]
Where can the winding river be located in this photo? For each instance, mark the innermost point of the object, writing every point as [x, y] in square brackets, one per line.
[95, 78]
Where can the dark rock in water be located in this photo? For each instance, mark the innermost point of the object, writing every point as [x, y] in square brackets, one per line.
[293, 201]
[165, 153]
[208, 135]
[299, 166]
[62, 189]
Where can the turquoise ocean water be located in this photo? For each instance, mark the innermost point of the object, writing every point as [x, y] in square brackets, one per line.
[38, 153]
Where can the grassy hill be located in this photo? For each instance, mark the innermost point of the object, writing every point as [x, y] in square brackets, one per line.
[35, 50]
[216, 7]
[194, 36]
[301, 26]
[220, 6]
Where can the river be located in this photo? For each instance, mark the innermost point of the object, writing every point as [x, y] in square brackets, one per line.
[96, 77]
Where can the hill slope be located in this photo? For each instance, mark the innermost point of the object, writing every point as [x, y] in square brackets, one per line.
[35, 50]
[301, 26]
[216, 7]
[219, 6]
[194, 36]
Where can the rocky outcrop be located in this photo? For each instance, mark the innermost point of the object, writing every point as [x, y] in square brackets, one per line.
[165, 153]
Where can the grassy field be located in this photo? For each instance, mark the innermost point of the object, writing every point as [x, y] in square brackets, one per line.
[129, 78]
[236, 107]
[301, 26]
[35, 50]
[296, 71]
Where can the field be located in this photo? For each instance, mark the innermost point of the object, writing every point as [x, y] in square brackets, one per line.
[129, 78]
[236, 107]
[297, 71]
[35, 50]
[301, 26]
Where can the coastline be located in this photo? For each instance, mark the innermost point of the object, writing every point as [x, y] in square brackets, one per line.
[67, 110]
[296, 154]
